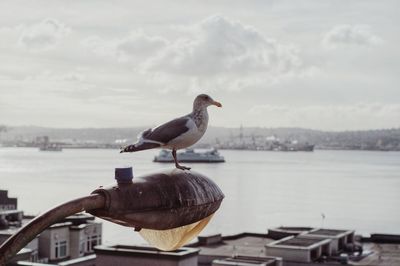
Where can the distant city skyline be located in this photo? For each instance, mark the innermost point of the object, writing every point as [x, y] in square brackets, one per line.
[328, 65]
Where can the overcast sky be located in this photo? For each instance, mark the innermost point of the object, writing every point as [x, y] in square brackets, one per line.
[331, 65]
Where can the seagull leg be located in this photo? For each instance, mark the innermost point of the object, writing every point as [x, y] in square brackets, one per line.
[176, 162]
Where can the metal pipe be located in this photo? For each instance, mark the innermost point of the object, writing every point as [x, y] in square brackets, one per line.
[27, 233]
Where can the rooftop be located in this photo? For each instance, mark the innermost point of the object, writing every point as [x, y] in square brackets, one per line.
[248, 261]
[79, 218]
[60, 225]
[295, 228]
[299, 242]
[249, 244]
[144, 251]
[327, 232]
[8, 212]
[13, 229]
[381, 254]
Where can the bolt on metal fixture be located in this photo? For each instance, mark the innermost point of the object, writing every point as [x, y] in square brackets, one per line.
[124, 175]
[152, 204]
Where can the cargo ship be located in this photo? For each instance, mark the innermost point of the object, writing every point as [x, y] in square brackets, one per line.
[190, 155]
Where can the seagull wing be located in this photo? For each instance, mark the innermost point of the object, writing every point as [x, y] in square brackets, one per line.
[166, 132]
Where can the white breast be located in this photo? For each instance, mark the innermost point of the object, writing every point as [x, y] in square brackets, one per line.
[188, 138]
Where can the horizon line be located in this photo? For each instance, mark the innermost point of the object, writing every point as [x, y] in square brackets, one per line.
[211, 126]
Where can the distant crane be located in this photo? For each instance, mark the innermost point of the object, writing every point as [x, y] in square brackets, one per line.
[323, 219]
[3, 128]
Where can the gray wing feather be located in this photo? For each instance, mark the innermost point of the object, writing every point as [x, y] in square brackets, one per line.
[168, 131]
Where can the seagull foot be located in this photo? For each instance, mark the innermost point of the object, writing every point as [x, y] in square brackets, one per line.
[182, 167]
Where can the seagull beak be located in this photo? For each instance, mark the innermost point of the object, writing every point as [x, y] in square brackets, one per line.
[217, 103]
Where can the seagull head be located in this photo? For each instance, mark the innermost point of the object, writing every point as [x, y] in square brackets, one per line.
[203, 101]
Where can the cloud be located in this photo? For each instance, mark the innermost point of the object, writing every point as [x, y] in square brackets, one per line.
[218, 53]
[43, 35]
[47, 75]
[136, 45]
[218, 45]
[215, 53]
[330, 117]
[98, 46]
[350, 35]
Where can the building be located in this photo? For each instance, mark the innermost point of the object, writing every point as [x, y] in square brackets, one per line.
[69, 242]
[54, 243]
[296, 248]
[7, 203]
[284, 231]
[341, 240]
[144, 256]
[11, 220]
[85, 231]
[217, 247]
[73, 238]
[76, 241]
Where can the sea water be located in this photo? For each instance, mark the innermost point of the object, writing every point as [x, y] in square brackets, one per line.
[334, 189]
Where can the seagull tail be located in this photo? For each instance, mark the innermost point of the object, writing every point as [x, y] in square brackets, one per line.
[140, 147]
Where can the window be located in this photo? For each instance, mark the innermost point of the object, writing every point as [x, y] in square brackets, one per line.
[92, 241]
[60, 249]
[34, 256]
[82, 247]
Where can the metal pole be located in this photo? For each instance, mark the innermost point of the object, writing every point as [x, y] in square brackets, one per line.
[27, 233]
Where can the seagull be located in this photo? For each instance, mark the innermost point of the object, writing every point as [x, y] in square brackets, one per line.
[178, 133]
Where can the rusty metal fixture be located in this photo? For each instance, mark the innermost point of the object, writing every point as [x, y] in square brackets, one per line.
[27, 233]
[160, 201]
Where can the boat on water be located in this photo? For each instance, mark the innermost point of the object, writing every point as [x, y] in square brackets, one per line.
[50, 147]
[190, 155]
[45, 144]
[294, 147]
